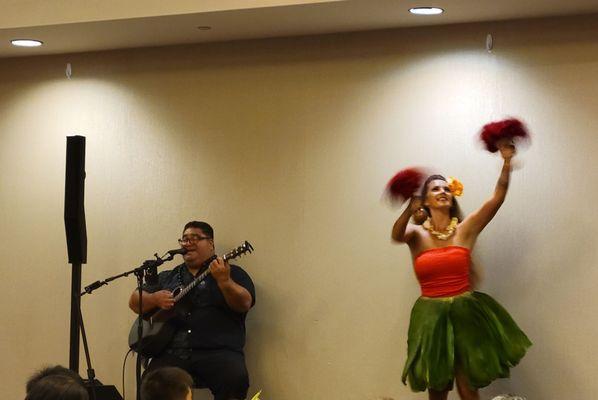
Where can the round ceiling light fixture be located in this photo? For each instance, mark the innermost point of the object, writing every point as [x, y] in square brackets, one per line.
[426, 10]
[26, 42]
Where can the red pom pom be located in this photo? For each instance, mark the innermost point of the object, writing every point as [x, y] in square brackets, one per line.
[403, 185]
[508, 129]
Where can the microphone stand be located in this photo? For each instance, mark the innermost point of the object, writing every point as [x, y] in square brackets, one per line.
[91, 375]
[150, 266]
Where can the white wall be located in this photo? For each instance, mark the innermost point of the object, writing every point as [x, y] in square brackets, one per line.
[288, 143]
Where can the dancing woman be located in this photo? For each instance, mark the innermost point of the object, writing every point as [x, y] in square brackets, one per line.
[455, 334]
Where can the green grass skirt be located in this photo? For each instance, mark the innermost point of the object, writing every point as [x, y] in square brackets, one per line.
[470, 331]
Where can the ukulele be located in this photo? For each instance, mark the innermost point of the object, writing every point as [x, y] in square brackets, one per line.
[157, 331]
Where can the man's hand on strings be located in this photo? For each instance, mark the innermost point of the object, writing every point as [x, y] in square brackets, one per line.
[163, 299]
[220, 270]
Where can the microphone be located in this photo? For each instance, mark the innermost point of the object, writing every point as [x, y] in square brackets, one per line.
[94, 286]
[177, 251]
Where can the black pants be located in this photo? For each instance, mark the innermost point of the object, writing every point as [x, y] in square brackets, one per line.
[222, 371]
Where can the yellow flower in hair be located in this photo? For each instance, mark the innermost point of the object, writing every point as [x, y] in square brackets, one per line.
[455, 186]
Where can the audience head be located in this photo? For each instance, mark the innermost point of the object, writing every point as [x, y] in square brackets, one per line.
[56, 383]
[167, 383]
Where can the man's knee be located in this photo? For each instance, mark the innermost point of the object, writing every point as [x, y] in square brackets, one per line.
[234, 384]
[237, 378]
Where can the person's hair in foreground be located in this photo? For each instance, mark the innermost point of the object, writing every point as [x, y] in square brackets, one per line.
[167, 383]
[56, 383]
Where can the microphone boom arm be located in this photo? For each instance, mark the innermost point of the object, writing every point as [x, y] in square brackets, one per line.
[147, 265]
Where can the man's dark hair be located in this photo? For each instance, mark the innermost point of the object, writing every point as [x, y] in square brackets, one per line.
[204, 226]
[56, 383]
[167, 383]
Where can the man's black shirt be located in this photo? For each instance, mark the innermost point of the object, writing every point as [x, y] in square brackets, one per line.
[208, 323]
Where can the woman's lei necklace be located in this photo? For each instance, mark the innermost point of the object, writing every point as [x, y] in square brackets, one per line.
[448, 232]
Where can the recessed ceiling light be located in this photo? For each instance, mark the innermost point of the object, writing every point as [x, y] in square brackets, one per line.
[204, 28]
[26, 42]
[426, 10]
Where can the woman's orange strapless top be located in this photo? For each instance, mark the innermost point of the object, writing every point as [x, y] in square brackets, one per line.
[443, 271]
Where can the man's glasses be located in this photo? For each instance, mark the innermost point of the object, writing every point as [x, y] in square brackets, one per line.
[192, 239]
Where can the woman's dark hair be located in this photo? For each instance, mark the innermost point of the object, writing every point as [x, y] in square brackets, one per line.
[56, 383]
[167, 383]
[455, 210]
[204, 226]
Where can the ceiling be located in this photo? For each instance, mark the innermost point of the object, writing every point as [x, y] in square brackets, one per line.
[68, 26]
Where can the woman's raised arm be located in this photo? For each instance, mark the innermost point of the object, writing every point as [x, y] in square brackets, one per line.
[402, 231]
[476, 221]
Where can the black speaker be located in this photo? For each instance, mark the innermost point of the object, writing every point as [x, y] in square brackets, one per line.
[102, 392]
[74, 193]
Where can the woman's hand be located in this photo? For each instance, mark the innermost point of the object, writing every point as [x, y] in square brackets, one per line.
[401, 232]
[415, 203]
[507, 149]
[418, 213]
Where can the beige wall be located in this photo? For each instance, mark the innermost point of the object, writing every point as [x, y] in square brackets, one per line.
[288, 143]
